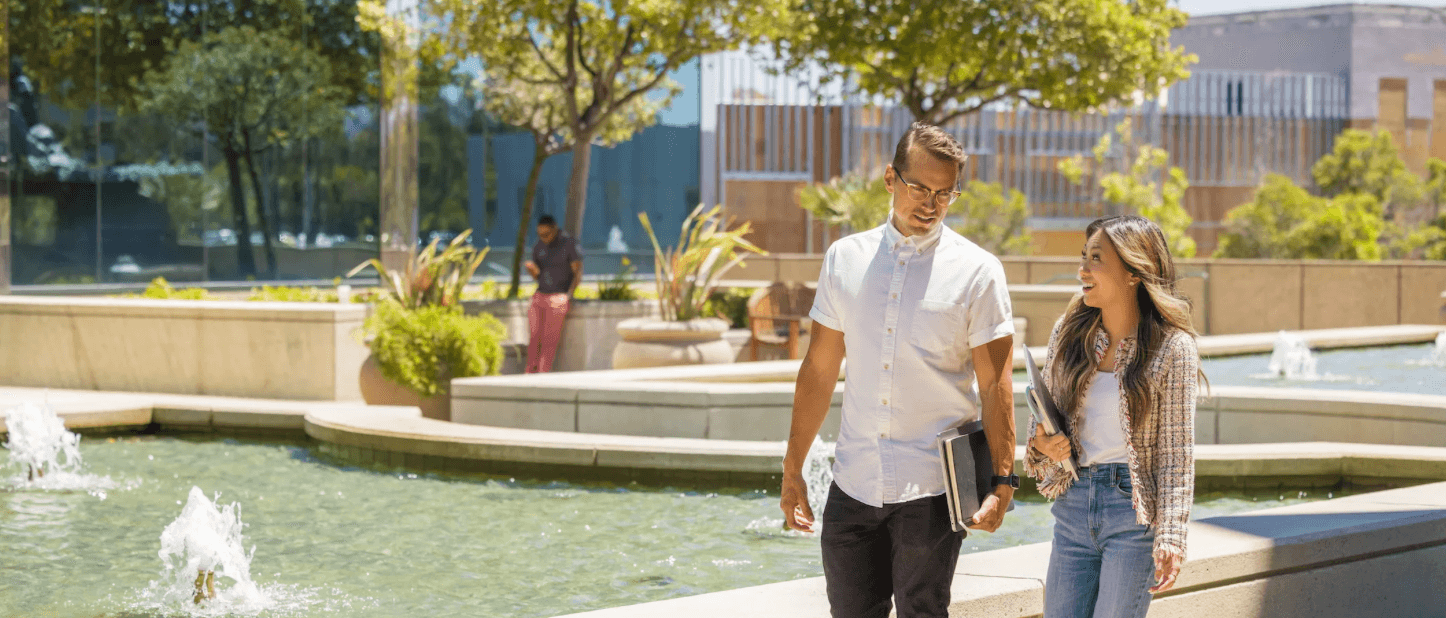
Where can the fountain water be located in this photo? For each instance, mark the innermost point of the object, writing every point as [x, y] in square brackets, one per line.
[1438, 355]
[39, 442]
[1292, 359]
[818, 472]
[203, 542]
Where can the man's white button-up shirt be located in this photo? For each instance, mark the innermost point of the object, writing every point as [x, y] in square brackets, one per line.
[911, 309]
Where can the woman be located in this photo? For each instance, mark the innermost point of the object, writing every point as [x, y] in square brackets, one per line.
[1123, 367]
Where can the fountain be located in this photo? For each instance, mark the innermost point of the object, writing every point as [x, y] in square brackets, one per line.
[1438, 355]
[1292, 359]
[818, 472]
[206, 540]
[39, 442]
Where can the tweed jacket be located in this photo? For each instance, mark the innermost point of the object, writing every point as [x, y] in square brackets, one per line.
[1162, 461]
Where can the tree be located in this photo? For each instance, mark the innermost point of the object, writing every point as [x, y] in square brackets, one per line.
[1137, 177]
[1284, 221]
[1366, 164]
[243, 85]
[942, 60]
[538, 108]
[993, 219]
[1428, 240]
[1361, 163]
[851, 199]
[601, 56]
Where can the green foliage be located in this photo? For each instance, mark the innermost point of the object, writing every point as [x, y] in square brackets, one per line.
[946, 59]
[423, 348]
[1138, 178]
[431, 278]
[1361, 163]
[1284, 221]
[1428, 240]
[687, 273]
[730, 304]
[993, 220]
[851, 199]
[621, 285]
[1347, 228]
[598, 57]
[160, 289]
[294, 294]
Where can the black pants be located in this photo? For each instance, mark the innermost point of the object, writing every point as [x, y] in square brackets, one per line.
[905, 550]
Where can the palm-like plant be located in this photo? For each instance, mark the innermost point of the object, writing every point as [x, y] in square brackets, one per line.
[688, 273]
[431, 278]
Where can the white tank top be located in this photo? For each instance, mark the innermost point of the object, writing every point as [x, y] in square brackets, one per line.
[1101, 436]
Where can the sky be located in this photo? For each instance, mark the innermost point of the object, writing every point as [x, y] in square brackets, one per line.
[1213, 7]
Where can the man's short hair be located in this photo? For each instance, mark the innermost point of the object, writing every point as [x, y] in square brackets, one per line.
[930, 139]
[547, 220]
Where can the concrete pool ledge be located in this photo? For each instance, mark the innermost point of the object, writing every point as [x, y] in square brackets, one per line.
[1377, 554]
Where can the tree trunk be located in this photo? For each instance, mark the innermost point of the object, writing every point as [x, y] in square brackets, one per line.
[539, 154]
[268, 234]
[245, 258]
[577, 186]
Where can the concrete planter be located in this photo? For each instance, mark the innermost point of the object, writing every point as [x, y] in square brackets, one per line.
[377, 390]
[651, 342]
[264, 350]
[588, 336]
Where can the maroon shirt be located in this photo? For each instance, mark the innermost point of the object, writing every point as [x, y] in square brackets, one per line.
[554, 264]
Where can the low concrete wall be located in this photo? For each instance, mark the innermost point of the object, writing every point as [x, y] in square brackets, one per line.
[588, 336]
[1237, 296]
[746, 401]
[241, 349]
[1377, 554]
[754, 401]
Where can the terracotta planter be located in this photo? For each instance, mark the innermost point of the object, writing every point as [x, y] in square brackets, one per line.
[650, 342]
[377, 390]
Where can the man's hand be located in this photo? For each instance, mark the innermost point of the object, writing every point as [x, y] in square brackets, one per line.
[532, 269]
[796, 513]
[1055, 447]
[991, 513]
[1167, 568]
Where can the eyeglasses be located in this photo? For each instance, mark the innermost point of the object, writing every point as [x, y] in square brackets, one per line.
[920, 193]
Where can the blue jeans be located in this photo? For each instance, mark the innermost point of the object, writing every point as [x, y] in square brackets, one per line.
[1101, 564]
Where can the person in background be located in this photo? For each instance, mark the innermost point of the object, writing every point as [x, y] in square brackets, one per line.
[556, 265]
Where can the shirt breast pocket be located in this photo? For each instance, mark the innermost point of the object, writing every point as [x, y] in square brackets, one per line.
[935, 333]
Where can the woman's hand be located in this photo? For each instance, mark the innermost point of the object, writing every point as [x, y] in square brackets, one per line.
[1167, 568]
[1055, 447]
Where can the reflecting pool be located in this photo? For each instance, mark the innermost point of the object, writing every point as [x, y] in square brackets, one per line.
[339, 541]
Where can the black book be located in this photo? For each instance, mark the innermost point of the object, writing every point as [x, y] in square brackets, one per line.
[968, 472]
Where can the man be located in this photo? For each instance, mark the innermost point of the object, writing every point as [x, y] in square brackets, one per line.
[920, 311]
[556, 265]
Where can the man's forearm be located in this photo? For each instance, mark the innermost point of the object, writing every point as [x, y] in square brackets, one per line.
[812, 398]
[998, 403]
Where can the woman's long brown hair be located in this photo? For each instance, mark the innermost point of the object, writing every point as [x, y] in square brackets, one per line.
[1142, 247]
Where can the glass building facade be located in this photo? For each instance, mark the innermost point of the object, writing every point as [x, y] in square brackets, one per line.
[242, 139]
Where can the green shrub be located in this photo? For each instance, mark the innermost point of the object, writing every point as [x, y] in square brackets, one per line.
[730, 304]
[424, 348]
[993, 218]
[160, 289]
[293, 294]
[621, 285]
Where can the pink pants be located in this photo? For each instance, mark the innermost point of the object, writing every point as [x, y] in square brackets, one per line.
[545, 318]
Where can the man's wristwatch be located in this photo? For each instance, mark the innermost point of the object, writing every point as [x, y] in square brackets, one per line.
[1011, 480]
